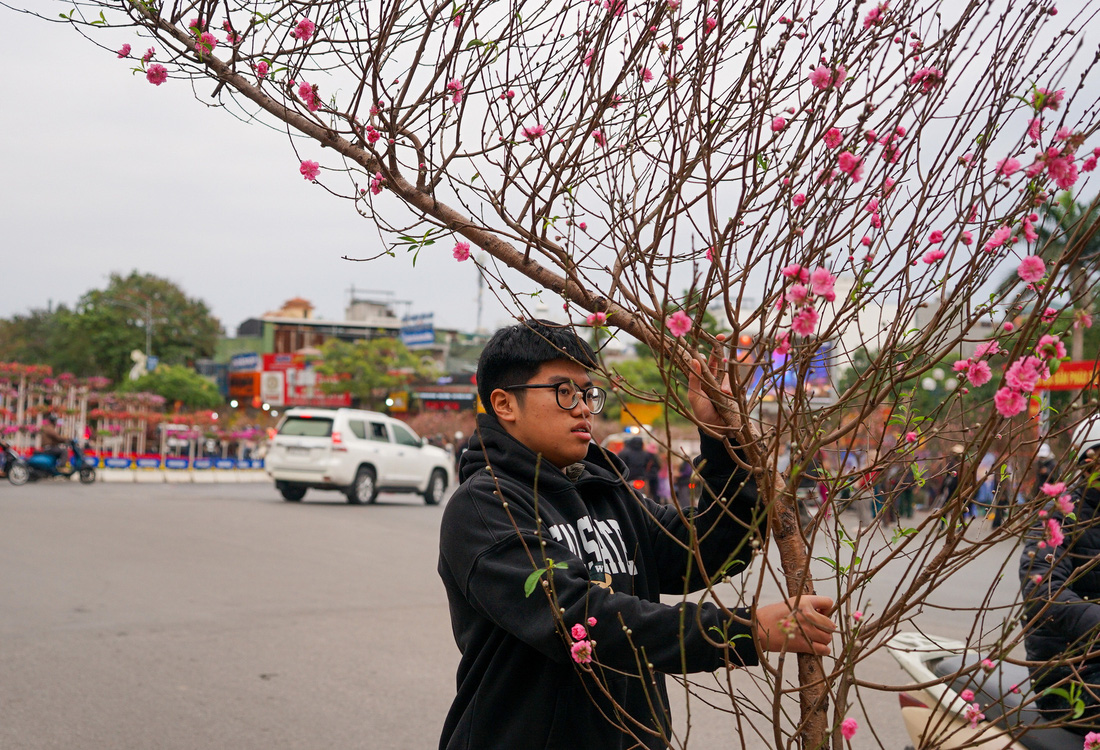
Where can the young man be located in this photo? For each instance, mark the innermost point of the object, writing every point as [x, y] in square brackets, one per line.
[578, 661]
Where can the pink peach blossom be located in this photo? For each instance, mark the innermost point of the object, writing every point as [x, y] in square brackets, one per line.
[578, 632]
[1009, 402]
[531, 132]
[1053, 488]
[1034, 128]
[261, 69]
[1050, 346]
[124, 51]
[935, 237]
[581, 651]
[1032, 268]
[986, 349]
[1046, 99]
[851, 164]
[822, 77]
[457, 90]
[304, 30]
[778, 124]
[591, 622]
[679, 323]
[156, 74]
[596, 319]
[822, 283]
[974, 715]
[149, 53]
[979, 373]
[310, 170]
[1025, 373]
[205, 43]
[967, 695]
[933, 256]
[461, 251]
[1054, 530]
[927, 79]
[848, 728]
[832, 137]
[1006, 167]
[805, 321]
[1065, 505]
[911, 437]
[709, 24]
[798, 200]
[797, 294]
[999, 237]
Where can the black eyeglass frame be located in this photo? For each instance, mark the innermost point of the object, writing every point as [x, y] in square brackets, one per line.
[591, 393]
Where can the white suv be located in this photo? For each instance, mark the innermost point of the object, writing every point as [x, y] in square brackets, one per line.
[359, 453]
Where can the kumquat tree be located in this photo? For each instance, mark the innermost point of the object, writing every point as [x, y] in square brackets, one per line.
[868, 188]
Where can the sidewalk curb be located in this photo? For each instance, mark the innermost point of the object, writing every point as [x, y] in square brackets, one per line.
[182, 476]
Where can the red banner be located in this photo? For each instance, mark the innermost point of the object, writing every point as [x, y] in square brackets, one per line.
[1072, 376]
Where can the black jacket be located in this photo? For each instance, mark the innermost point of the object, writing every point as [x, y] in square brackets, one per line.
[1062, 609]
[518, 686]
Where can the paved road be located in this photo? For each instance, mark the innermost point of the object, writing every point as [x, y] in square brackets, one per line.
[218, 616]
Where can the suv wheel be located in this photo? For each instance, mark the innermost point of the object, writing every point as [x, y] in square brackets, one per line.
[437, 485]
[364, 489]
[292, 493]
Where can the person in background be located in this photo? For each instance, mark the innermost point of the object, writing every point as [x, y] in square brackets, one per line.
[1060, 583]
[52, 441]
[683, 484]
[641, 464]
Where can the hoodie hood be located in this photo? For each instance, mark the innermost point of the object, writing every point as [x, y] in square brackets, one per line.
[491, 445]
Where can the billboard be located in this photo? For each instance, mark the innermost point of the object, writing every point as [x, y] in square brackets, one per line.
[418, 331]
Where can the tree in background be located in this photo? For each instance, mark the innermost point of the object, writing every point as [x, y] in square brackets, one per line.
[368, 368]
[615, 153]
[98, 334]
[178, 385]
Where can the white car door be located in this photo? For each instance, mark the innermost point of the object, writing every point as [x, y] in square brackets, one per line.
[410, 458]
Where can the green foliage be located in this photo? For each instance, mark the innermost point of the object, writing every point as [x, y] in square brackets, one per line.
[533, 579]
[96, 337]
[369, 368]
[178, 383]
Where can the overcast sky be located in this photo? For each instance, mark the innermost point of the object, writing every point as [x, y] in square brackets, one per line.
[107, 173]
[104, 172]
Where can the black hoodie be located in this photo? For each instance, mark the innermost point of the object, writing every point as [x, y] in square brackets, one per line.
[518, 684]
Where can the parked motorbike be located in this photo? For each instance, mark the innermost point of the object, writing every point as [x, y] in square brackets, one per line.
[8, 458]
[939, 713]
[43, 465]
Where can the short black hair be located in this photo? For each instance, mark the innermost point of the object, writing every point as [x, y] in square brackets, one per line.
[514, 354]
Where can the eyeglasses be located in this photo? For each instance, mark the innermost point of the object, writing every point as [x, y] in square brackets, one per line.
[569, 394]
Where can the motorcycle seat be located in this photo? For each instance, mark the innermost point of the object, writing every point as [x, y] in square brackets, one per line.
[1001, 693]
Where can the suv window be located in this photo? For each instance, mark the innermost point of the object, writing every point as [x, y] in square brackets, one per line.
[306, 427]
[404, 437]
[358, 428]
[378, 432]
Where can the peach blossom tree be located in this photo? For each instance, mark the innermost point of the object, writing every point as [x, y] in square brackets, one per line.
[845, 184]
